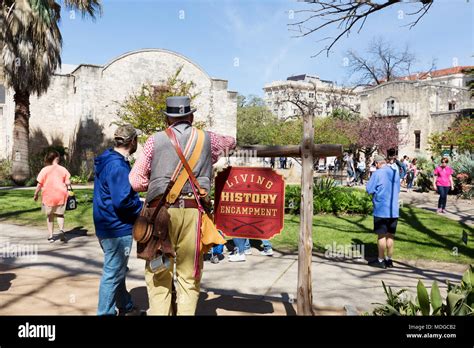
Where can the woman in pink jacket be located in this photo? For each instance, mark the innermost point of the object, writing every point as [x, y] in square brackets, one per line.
[443, 175]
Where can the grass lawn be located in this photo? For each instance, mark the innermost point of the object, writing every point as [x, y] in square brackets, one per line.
[421, 234]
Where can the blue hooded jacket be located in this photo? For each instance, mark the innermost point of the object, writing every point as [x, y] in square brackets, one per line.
[116, 205]
[384, 185]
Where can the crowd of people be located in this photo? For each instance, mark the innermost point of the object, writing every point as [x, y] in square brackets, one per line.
[284, 162]
[117, 205]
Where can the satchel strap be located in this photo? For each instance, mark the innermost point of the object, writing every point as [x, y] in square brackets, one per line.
[175, 185]
[188, 173]
[186, 152]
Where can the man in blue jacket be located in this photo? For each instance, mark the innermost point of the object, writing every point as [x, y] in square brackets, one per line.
[384, 186]
[116, 206]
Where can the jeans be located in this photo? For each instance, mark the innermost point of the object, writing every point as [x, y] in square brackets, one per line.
[443, 196]
[359, 176]
[410, 179]
[113, 291]
[244, 244]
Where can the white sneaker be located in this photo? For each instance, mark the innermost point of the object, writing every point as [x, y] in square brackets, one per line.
[268, 252]
[237, 258]
[248, 252]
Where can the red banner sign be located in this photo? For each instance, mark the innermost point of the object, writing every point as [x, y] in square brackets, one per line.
[249, 202]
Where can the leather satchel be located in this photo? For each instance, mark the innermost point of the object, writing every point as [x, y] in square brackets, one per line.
[150, 230]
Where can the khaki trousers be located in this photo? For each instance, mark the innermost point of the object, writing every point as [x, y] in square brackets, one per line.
[182, 230]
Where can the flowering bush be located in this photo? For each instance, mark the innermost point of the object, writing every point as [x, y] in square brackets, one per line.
[462, 177]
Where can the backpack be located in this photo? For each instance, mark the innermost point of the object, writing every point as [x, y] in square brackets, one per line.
[401, 168]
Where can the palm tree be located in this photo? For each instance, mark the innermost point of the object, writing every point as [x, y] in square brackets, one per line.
[31, 42]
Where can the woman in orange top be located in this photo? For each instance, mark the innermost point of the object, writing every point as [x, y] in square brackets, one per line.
[52, 181]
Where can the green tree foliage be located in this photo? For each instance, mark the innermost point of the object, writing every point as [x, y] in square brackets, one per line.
[470, 84]
[329, 130]
[255, 123]
[144, 110]
[344, 114]
[288, 132]
[30, 50]
[460, 135]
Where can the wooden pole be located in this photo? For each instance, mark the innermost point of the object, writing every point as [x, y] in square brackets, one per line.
[304, 300]
[307, 151]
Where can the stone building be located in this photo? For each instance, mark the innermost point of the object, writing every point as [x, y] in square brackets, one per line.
[81, 104]
[326, 96]
[423, 104]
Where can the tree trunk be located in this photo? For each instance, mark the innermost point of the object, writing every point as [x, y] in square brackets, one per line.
[21, 134]
[304, 300]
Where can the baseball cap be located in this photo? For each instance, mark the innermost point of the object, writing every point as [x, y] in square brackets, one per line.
[378, 158]
[126, 133]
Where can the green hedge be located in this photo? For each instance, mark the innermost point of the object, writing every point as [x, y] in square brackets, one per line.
[329, 198]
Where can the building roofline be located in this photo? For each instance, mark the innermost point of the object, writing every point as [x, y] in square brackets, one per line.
[160, 50]
[418, 82]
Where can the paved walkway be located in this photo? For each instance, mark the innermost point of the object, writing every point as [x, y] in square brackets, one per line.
[457, 209]
[64, 279]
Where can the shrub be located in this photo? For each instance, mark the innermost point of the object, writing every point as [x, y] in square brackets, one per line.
[6, 173]
[464, 164]
[84, 176]
[459, 300]
[330, 199]
[426, 167]
[293, 199]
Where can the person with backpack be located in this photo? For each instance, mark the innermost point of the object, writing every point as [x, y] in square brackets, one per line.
[349, 159]
[411, 175]
[360, 170]
[406, 164]
[392, 155]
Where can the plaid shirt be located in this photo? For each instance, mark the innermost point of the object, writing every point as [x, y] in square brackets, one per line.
[140, 175]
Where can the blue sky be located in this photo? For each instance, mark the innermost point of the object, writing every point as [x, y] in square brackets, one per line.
[248, 42]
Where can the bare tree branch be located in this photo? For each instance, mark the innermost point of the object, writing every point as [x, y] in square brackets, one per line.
[382, 63]
[344, 15]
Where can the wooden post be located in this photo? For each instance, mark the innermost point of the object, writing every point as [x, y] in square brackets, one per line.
[307, 150]
[304, 300]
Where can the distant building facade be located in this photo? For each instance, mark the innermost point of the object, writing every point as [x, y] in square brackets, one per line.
[79, 109]
[422, 104]
[325, 95]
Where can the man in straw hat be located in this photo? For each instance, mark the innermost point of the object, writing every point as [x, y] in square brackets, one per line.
[152, 172]
[384, 186]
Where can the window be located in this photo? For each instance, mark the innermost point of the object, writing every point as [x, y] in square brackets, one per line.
[2, 94]
[451, 106]
[417, 139]
[311, 95]
[390, 107]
